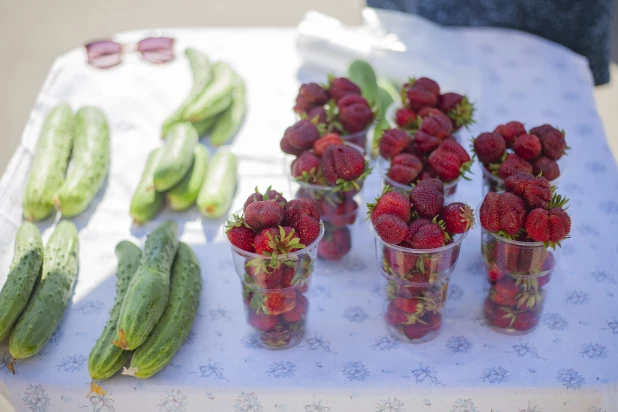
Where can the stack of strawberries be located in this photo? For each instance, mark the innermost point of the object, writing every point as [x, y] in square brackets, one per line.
[273, 285]
[520, 224]
[410, 227]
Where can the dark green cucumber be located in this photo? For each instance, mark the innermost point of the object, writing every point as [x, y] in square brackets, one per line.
[228, 123]
[148, 292]
[183, 195]
[51, 295]
[147, 202]
[105, 358]
[23, 274]
[50, 163]
[172, 329]
[215, 98]
[177, 156]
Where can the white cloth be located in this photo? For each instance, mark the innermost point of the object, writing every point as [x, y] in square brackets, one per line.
[346, 362]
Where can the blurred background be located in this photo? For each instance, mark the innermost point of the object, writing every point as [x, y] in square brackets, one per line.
[34, 33]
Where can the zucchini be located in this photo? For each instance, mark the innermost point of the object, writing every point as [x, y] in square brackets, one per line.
[105, 358]
[23, 274]
[183, 195]
[218, 189]
[147, 202]
[50, 163]
[174, 326]
[228, 123]
[361, 73]
[215, 98]
[89, 164]
[177, 156]
[51, 295]
[148, 292]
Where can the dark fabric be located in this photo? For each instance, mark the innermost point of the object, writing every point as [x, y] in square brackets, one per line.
[582, 26]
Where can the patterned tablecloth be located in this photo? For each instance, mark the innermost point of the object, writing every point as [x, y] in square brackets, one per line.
[347, 362]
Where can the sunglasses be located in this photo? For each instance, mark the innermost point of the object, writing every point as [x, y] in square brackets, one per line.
[104, 54]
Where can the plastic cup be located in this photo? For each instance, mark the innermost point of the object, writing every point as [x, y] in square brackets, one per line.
[358, 139]
[493, 183]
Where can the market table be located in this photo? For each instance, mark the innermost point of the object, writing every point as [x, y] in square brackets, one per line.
[347, 362]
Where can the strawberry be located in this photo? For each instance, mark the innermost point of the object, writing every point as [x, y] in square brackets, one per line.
[274, 302]
[537, 193]
[505, 292]
[301, 135]
[550, 226]
[340, 87]
[408, 305]
[489, 147]
[433, 319]
[277, 240]
[263, 214]
[517, 183]
[339, 214]
[446, 165]
[242, 238]
[390, 203]
[272, 194]
[394, 316]
[494, 274]
[437, 124]
[317, 115]
[253, 197]
[425, 142]
[308, 229]
[502, 212]
[554, 145]
[305, 167]
[457, 217]
[354, 113]
[402, 174]
[336, 243]
[426, 200]
[299, 311]
[431, 182]
[393, 142]
[405, 118]
[409, 160]
[309, 96]
[546, 167]
[391, 229]
[424, 83]
[418, 98]
[399, 263]
[262, 321]
[499, 316]
[514, 164]
[450, 145]
[266, 277]
[295, 208]
[323, 142]
[541, 130]
[458, 108]
[527, 146]
[286, 147]
[342, 162]
[428, 236]
[507, 257]
[510, 131]
[525, 321]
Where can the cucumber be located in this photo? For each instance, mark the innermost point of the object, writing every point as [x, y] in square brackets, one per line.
[148, 292]
[177, 156]
[175, 324]
[89, 164]
[147, 202]
[202, 127]
[229, 121]
[105, 358]
[23, 274]
[387, 95]
[51, 295]
[50, 163]
[361, 73]
[218, 189]
[215, 98]
[202, 76]
[183, 195]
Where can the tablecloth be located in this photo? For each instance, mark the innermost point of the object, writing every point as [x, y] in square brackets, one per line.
[347, 361]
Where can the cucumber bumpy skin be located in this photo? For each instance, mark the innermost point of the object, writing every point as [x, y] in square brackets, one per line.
[174, 326]
[147, 202]
[218, 189]
[149, 290]
[50, 163]
[105, 358]
[90, 162]
[51, 295]
[202, 76]
[23, 274]
[184, 194]
[217, 96]
[177, 156]
[229, 121]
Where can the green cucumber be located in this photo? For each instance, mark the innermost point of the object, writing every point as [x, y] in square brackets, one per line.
[51, 295]
[105, 358]
[50, 163]
[183, 195]
[147, 202]
[387, 95]
[215, 98]
[218, 189]
[361, 73]
[148, 292]
[177, 156]
[202, 127]
[23, 274]
[89, 164]
[174, 326]
[229, 121]
[202, 76]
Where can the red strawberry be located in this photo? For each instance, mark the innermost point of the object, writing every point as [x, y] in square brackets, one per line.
[502, 211]
[500, 316]
[336, 243]
[339, 214]
[450, 145]
[409, 160]
[458, 108]
[546, 167]
[391, 229]
[416, 330]
[241, 237]
[277, 240]
[286, 147]
[299, 311]
[489, 147]
[446, 165]
[394, 316]
[393, 142]
[262, 321]
[517, 183]
[408, 305]
[400, 263]
[527, 146]
[272, 194]
[402, 174]
[323, 142]
[301, 135]
[551, 225]
[287, 276]
[507, 257]
[510, 131]
[494, 274]
[405, 118]
[295, 208]
[308, 229]
[317, 115]
[342, 162]
[341, 87]
[425, 142]
[390, 203]
[537, 193]
[305, 167]
[265, 276]
[262, 214]
[428, 236]
[505, 292]
[276, 302]
[424, 83]
[554, 145]
[541, 130]
[514, 164]
[418, 98]
[309, 96]
[458, 217]
[431, 182]
[437, 124]
[426, 200]
[525, 321]
[433, 319]
[254, 197]
[354, 113]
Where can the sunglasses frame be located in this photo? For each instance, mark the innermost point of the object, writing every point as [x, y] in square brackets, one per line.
[107, 53]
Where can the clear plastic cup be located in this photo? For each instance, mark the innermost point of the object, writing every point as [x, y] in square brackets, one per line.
[358, 139]
[518, 274]
[493, 183]
[274, 292]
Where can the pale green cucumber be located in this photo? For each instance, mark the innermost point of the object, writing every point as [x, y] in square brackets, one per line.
[361, 73]
[215, 98]
[89, 163]
[172, 329]
[23, 274]
[105, 358]
[50, 163]
[202, 127]
[147, 202]
[202, 76]
[177, 156]
[51, 295]
[218, 189]
[148, 292]
[184, 194]
[229, 121]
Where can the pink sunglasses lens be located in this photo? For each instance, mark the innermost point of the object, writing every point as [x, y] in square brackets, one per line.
[157, 49]
[104, 53]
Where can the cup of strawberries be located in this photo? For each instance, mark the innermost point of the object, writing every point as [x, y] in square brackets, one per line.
[510, 149]
[418, 239]
[274, 246]
[520, 231]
